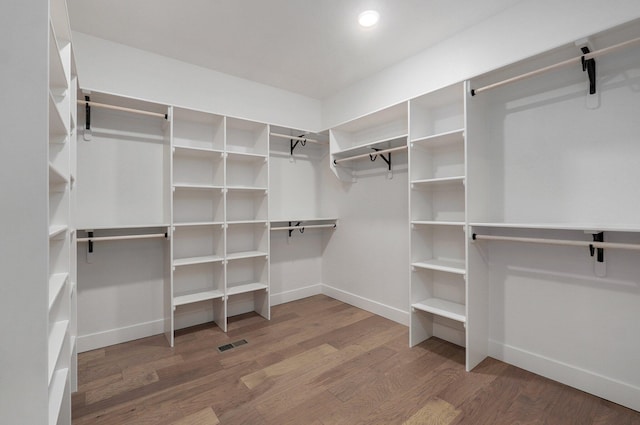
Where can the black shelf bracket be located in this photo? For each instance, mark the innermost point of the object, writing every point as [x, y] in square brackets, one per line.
[90, 242]
[87, 119]
[597, 237]
[589, 65]
[373, 157]
[293, 145]
[301, 229]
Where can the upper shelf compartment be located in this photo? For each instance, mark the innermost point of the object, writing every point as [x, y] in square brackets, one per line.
[247, 137]
[351, 143]
[439, 113]
[197, 131]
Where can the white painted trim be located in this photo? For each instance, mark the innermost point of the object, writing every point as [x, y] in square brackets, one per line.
[119, 335]
[296, 294]
[372, 306]
[585, 380]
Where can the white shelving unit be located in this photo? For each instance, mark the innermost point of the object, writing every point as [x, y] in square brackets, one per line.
[437, 173]
[220, 245]
[61, 298]
[386, 129]
[246, 216]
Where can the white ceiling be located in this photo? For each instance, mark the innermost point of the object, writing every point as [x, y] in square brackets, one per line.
[311, 47]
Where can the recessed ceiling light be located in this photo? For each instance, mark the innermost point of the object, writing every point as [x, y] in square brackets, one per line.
[368, 18]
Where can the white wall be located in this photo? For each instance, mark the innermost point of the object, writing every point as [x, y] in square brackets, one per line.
[366, 261]
[113, 68]
[24, 212]
[526, 29]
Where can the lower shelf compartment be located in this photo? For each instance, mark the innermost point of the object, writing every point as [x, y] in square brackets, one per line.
[442, 308]
[196, 297]
[246, 287]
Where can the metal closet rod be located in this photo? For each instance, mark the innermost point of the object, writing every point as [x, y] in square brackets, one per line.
[366, 155]
[571, 61]
[122, 237]
[302, 139]
[122, 108]
[564, 242]
[313, 226]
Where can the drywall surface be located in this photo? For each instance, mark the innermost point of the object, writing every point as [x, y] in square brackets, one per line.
[366, 260]
[114, 68]
[528, 28]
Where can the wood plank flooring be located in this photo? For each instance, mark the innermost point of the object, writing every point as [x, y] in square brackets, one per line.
[318, 362]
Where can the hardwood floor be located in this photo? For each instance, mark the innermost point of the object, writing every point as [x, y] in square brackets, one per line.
[318, 362]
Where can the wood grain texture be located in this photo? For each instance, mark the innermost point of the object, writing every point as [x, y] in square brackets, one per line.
[318, 362]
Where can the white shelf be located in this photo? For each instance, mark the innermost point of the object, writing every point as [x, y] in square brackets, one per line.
[196, 150]
[231, 223]
[56, 341]
[385, 143]
[56, 394]
[244, 288]
[87, 228]
[197, 297]
[443, 265]
[247, 188]
[246, 254]
[587, 227]
[199, 223]
[442, 308]
[56, 176]
[437, 223]
[197, 260]
[440, 180]
[441, 139]
[303, 219]
[57, 230]
[197, 186]
[56, 283]
[245, 156]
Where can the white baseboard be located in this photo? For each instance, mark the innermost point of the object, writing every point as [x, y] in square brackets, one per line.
[296, 294]
[142, 330]
[599, 385]
[374, 307]
[116, 336]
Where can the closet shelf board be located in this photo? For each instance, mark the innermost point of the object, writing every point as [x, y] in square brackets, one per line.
[197, 260]
[442, 308]
[56, 283]
[440, 139]
[244, 288]
[197, 297]
[56, 341]
[443, 265]
[56, 393]
[246, 254]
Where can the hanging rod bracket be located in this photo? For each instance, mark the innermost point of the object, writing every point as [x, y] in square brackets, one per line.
[90, 242]
[373, 157]
[87, 119]
[302, 142]
[301, 229]
[597, 237]
[589, 65]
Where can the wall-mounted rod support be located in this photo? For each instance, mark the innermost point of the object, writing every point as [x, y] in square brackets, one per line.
[300, 140]
[589, 65]
[122, 108]
[597, 237]
[572, 61]
[373, 157]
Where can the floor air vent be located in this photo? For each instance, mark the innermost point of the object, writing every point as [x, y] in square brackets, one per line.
[227, 347]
